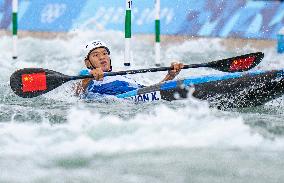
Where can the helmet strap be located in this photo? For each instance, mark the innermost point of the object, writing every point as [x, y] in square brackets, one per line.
[92, 66]
[110, 68]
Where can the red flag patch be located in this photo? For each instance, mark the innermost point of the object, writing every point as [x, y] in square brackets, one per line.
[241, 64]
[34, 82]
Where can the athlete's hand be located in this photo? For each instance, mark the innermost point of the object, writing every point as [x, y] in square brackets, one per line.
[175, 69]
[98, 74]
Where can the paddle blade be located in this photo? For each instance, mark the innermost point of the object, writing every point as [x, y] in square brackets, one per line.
[238, 63]
[32, 82]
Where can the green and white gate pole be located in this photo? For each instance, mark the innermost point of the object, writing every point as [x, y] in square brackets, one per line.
[157, 30]
[15, 28]
[127, 52]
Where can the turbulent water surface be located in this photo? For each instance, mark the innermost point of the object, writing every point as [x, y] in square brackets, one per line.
[59, 138]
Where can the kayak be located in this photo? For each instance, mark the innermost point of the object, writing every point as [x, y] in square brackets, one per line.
[234, 90]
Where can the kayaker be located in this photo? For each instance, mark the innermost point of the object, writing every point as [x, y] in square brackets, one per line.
[98, 61]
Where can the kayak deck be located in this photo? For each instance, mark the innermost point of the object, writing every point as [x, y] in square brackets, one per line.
[236, 90]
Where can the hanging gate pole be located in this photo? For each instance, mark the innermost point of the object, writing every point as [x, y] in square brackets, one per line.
[157, 35]
[15, 28]
[127, 52]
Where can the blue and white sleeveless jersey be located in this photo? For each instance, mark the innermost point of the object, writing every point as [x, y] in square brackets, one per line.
[111, 85]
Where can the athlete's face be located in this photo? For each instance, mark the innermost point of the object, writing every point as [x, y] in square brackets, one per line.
[99, 58]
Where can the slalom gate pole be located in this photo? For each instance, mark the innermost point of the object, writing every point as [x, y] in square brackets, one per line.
[15, 28]
[157, 35]
[127, 52]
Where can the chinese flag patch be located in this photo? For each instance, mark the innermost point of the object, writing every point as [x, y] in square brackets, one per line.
[243, 63]
[34, 82]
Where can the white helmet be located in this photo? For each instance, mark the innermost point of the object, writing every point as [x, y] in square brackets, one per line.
[96, 44]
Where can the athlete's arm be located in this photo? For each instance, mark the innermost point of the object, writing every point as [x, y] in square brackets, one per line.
[81, 86]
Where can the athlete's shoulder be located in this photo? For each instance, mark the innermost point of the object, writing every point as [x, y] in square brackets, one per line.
[84, 72]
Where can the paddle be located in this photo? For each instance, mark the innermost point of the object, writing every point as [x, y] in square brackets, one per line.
[32, 82]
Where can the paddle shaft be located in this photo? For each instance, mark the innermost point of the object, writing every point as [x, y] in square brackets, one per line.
[140, 71]
[221, 65]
